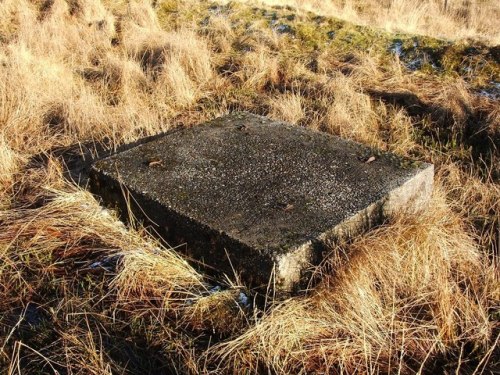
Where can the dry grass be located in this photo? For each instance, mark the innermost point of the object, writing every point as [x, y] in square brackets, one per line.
[478, 201]
[393, 301]
[71, 271]
[351, 115]
[80, 293]
[450, 19]
[287, 107]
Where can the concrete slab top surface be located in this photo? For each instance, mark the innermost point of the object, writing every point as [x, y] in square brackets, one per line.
[269, 185]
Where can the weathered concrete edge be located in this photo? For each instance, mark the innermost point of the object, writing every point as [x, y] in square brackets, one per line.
[204, 240]
[291, 269]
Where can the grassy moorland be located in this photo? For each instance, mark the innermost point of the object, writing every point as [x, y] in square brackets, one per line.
[449, 19]
[81, 293]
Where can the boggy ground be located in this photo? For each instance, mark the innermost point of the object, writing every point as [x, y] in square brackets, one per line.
[80, 293]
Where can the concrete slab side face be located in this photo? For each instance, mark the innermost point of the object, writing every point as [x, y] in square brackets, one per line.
[265, 194]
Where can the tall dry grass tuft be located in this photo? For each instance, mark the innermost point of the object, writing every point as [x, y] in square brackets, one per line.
[476, 198]
[219, 30]
[85, 353]
[11, 162]
[186, 70]
[288, 107]
[178, 62]
[351, 113]
[155, 278]
[258, 70]
[398, 299]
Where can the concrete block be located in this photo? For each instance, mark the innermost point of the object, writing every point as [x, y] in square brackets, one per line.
[259, 196]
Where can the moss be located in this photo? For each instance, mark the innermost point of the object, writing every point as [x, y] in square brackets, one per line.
[172, 14]
[475, 63]
[310, 34]
[350, 37]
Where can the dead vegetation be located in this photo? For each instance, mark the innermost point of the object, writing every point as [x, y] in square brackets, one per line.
[80, 293]
[450, 19]
[393, 301]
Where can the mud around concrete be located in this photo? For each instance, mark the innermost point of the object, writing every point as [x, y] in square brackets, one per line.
[258, 197]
